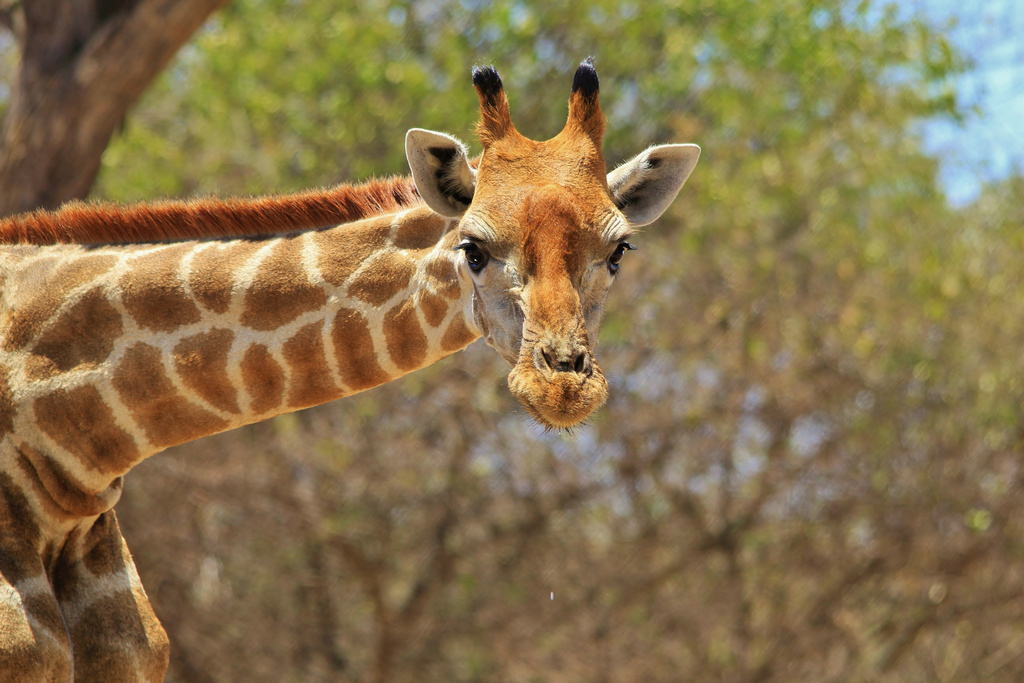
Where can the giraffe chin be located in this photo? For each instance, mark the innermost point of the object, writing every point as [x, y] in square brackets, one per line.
[558, 400]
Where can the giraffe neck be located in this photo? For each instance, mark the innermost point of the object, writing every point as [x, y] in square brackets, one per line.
[111, 354]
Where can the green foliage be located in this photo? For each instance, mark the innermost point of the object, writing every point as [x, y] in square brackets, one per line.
[274, 95]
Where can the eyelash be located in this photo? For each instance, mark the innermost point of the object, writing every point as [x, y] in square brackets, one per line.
[476, 258]
[616, 257]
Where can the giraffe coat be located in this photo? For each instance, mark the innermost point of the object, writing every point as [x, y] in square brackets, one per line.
[124, 331]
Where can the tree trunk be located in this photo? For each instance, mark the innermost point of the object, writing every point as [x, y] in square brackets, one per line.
[83, 64]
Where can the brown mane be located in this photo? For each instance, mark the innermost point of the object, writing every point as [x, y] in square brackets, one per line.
[96, 223]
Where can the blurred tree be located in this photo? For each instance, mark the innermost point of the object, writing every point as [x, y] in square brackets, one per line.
[83, 63]
[809, 468]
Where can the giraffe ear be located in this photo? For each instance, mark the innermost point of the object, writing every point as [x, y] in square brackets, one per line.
[644, 186]
[441, 171]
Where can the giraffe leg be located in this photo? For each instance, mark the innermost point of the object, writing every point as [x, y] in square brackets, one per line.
[114, 632]
[34, 645]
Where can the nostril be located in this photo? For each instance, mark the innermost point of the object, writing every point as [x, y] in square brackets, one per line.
[578, 363]
[580, 366]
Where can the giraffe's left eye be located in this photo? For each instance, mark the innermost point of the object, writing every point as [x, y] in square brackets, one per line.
[476, 257]
[616, 257]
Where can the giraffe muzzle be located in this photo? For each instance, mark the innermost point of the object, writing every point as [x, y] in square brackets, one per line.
[559, 390]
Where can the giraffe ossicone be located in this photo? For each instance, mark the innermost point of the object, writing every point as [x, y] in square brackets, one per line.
[116, 345]
[539, 223]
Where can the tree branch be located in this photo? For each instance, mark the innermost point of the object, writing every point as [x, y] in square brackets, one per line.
[83, 66]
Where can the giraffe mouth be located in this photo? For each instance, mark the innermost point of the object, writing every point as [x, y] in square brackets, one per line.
[558, 399]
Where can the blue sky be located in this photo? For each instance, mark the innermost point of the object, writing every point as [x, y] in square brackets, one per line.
[991, 144]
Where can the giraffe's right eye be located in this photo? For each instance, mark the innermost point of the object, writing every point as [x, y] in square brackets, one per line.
[476, 257]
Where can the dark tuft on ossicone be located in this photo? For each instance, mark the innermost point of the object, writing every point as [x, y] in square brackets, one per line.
[585, 81]
[487, 81]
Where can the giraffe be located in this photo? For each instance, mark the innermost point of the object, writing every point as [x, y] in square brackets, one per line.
[112, 352]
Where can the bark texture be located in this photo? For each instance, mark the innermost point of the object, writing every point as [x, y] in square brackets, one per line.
[83, 64]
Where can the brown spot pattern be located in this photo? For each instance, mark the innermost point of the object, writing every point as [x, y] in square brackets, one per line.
[46, 613]
[50, 508]
[33, 656]
[311, 382]
[60, 492]
[153, 293]
[281, 292]
[353, 348]
[137, 631]
[406, 342]
[133, 645]
[342, 250]
[81, 423]
[388, 275]
[7, 408]
[54, 284]
[165, 415]
[420, 232]
[81, 337]
[99, 548]
[212, 272]
[457, 335]
[434, 308]
[202, 363]
[446, 280]
[263, 377]
[21, 530]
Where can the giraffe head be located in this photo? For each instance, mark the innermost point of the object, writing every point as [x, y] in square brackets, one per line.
[543, 227]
